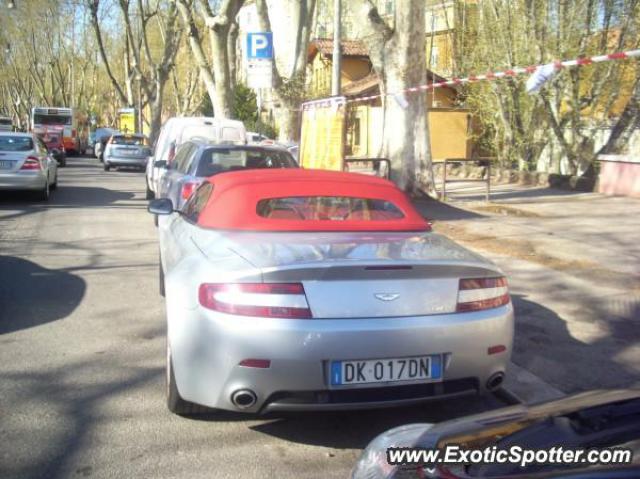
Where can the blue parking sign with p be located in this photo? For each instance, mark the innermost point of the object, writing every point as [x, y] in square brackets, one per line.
[260, 46]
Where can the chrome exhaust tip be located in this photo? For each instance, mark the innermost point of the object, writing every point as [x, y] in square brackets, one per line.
[495, 381]
[243, 398]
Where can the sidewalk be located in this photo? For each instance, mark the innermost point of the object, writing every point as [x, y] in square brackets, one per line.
[573, 263]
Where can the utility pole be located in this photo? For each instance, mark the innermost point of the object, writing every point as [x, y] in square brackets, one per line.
[337, 53]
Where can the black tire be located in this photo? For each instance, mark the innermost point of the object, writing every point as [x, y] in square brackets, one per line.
[63, 162]
[106, 167]
[43, 195]
[161, 279]
[175, 403]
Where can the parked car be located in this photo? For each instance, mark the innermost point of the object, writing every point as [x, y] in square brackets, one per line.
[102, 136]
[256, 138]
[178, 130]
[6, 123]
[91, 141]
[25, 164]
[52, 138]
[292, 148]
[126, 151]
[595, 419]
[292, 289]
[196, 160]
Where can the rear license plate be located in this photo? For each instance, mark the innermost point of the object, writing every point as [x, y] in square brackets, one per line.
[427, 368]
[6, 164]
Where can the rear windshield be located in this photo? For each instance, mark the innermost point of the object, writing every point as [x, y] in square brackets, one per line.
[216, 160]
[328, 208]
[5, 121]
[129, 140]
[16, 143]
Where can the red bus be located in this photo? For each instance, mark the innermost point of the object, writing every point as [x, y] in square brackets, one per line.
[72, 124]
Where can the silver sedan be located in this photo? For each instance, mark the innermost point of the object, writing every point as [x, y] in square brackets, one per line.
[307, 290]
[126, 151]
[25, 164]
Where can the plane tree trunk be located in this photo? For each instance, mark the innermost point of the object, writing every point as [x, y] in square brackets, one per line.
[398, 56]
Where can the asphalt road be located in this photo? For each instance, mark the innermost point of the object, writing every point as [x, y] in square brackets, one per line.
[82, 347]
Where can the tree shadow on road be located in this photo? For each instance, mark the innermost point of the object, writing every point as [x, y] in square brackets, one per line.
[31, 295]
[21, 203]
[355, 429]
[441, 211]
[545, 346]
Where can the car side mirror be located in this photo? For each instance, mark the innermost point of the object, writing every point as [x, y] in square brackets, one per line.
[161, 206]
[160, 164]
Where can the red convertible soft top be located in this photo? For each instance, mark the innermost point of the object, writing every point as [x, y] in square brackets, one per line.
[307, 200]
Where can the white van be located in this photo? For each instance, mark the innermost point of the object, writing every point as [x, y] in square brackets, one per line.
[176, 131]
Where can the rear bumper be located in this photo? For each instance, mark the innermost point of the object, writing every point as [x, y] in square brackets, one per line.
[118, 161]
[370, 398]
[23, 180]
[70, 144]
[207, 348]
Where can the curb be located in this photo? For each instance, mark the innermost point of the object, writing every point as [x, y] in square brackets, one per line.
[522, 386]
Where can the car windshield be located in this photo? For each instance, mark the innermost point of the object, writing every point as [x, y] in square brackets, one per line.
[328, 208]
[217, 160]
[129, 140]
[16, 143]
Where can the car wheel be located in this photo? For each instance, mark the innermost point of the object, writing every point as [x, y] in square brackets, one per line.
[149, 194]
[106, 167]
[175, 403]
[63, 162]
[43, 195]
[161, 278]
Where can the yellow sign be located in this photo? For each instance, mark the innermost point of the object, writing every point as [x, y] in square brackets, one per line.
[127, 120]
[323, 134]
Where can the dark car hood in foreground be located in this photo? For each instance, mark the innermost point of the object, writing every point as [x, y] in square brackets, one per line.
[595, 419]
[478, 425]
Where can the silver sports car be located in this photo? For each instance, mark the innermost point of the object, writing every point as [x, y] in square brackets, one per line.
[308, 290]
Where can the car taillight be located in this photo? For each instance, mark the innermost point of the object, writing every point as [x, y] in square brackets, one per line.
[269, 300]
[482, 293]
[187, 190]
[31, 163]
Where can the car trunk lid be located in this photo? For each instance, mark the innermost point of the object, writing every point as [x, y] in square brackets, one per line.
[364, 275]
[12, 161]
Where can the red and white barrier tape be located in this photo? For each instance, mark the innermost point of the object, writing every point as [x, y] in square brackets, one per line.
[507, 73]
